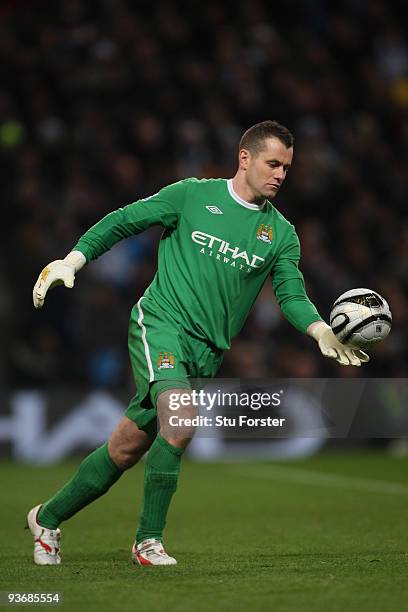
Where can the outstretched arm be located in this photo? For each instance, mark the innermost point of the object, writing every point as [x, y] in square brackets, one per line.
[289, 287]
[164, 208]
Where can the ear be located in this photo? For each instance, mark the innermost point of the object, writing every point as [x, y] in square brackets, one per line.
[244, 158]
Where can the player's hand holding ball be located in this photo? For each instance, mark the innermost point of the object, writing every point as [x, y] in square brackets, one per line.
[330, 347]
[58, 272]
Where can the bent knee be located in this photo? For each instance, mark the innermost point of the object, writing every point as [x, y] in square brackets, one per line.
[124, 458]
[128, 444]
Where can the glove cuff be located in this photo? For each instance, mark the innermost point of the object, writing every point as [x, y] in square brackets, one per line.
[75, 259]
[317, 329]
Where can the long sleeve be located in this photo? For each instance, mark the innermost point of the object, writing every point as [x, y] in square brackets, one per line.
[163, 208]
[289, 286]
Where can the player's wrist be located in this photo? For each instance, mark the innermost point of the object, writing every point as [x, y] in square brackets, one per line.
[317, 329]
[76, 259]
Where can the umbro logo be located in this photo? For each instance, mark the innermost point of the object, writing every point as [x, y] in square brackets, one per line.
[214, 210]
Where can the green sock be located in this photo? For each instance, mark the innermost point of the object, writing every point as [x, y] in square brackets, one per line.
[94, 477]
[160, 482]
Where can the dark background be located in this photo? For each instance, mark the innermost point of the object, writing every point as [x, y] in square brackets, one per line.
[102, 103]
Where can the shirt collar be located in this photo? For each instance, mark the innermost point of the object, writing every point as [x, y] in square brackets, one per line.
[240, 201]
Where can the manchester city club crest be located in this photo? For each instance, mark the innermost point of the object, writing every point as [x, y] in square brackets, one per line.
[165, 361]
[264, 233]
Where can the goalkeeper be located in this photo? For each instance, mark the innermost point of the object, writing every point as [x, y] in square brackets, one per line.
[223, 239]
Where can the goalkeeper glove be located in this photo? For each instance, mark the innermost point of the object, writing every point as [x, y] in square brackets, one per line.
[344, 354]
[59, 272]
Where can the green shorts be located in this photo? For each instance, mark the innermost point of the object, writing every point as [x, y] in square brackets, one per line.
[161, 350]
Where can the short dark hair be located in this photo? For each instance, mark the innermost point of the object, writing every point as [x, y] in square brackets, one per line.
[255, 136]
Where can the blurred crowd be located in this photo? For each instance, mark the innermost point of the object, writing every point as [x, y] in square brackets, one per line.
[104, 102]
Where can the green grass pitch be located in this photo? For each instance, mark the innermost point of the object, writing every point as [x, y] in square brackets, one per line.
[328, 533]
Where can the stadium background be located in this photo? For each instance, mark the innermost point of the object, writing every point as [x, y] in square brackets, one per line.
[103, 102]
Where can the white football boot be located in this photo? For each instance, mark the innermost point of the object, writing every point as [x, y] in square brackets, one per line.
[151, 552]
[46, 541]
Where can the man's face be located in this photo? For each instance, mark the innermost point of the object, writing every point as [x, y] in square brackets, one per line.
[266, 171]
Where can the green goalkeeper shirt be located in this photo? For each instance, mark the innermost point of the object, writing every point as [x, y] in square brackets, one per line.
[215, 254]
